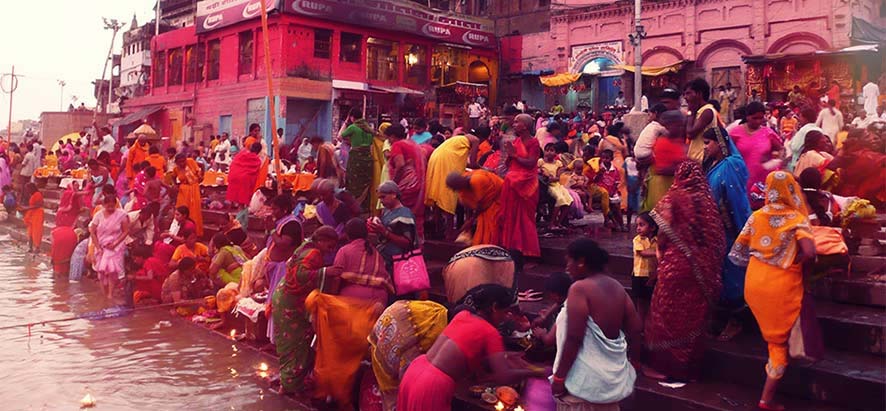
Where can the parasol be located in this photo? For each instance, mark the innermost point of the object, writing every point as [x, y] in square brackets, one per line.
[146, 130]
[74, 137]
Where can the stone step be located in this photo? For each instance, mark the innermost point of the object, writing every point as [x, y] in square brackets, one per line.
[861, 289]
[708, 396]
[853, 380]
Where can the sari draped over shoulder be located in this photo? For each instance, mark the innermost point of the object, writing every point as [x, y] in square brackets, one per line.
[410, 178]
[292, 326]
[405, 330]
[33, 219]
[242, 176]
[189, 192]
[449, 157]
[691, 243]
[728, 179]
[519, 199]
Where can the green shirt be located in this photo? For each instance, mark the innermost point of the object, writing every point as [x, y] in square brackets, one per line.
[357, 136]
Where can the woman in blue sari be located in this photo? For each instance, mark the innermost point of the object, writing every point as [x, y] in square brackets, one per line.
[727, 175]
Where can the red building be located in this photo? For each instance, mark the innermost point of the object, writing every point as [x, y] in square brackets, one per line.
[393, 56]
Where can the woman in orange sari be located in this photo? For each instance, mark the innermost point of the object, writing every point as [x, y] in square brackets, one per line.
[519, 193]
[187, 173]
[479, 190]
[775, 243]
[33, 217]
[136, 154]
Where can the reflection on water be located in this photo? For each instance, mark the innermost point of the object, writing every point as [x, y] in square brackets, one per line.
[138, 361]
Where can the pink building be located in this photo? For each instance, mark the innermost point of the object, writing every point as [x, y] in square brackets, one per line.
[697, 37]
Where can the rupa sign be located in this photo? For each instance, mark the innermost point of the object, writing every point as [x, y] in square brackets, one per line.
[215, 14]
[399, 16]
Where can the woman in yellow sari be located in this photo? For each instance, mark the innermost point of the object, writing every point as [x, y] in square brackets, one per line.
[378, 149]
[775, 243]
[188, 175]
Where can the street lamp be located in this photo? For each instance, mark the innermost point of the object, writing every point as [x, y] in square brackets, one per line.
[636, 39]
[61, 97]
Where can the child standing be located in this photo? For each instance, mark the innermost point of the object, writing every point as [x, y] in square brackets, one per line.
[609, 178]
[645, 261]
[549, 168]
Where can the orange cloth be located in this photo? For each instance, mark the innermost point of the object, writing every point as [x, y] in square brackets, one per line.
[248, 142]
[136, 155]
[210, 178]
[342, 325]
[485, 147]
[619, 150]
[768, 245]
[299, 181]
[34, 219]
[189, 192]
[158, 162]
[483, 197]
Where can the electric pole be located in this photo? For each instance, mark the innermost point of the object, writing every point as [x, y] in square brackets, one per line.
[636, 38]
[114, 26]
[13, 84]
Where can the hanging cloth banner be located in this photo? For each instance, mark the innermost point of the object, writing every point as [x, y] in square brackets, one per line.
[557, 80]
[653, 71]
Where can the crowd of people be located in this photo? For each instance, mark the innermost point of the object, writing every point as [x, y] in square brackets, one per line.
[725, 216]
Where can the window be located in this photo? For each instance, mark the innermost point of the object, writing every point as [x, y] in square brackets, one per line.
[247, 51]
[544, 3]
[175, 67]
[322, 43]
[381, 56]
[350, 47]
[195, 57]
[160, 69]
[416, 64]
[214, 55]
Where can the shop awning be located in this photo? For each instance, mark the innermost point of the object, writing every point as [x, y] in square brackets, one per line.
[846, 51]
[864, 32]
[649, 71]
[397, 90]
[138, 115]
[557, 80]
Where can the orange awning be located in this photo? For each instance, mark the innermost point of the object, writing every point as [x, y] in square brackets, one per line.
[557, 80]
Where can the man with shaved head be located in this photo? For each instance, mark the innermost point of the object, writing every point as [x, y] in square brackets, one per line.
[519, 193]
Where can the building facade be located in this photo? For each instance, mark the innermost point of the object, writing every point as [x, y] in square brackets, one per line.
[698, 38]
[385, 57]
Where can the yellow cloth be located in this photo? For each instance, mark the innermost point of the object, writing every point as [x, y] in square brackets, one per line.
[649, 71]
[558, 192]
[342, 325]
[449, 157]
[189, 192]
[562, 79]
[210, 178]
[813, 159]
[182, 251]
[643, 266]
[696, 145]
[379, 169]
[50, 161]
[405, 330]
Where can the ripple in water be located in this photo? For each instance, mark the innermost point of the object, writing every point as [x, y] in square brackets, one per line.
[126, 363]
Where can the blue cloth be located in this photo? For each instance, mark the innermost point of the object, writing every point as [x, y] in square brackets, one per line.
[728, 181]
[421, 138]
[78, 260]
[601, 373]
[9, 202]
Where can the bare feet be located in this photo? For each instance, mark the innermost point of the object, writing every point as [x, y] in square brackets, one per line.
[649, 372]
[770, 406]
[733, 328]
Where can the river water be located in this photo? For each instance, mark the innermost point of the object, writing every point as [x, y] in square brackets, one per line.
[142, 361]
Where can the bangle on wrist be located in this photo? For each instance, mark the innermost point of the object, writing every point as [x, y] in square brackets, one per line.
[558, 380]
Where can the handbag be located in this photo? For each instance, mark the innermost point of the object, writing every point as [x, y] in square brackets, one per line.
[410, 272]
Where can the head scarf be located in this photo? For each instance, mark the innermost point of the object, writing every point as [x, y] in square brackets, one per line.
[382, 127]
[771, 233]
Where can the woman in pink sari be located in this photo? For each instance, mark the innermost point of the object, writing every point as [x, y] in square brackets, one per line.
[756, 143]
[519, 193]
[108, 229]
[407, 168]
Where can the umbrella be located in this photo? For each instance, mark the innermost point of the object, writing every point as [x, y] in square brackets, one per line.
[74, 137]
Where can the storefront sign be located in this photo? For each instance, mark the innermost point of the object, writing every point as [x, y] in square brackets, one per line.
[400, 16]
[214, 14]
[583, 54]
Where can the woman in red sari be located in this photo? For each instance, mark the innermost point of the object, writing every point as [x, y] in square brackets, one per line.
[406, 166]
[690, 239]
[519, 193]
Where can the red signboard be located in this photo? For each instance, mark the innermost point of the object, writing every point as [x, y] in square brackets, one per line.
[399, 16]
[214, 14]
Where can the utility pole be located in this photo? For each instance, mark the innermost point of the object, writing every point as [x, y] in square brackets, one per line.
[114, 26]
[13, 84]
[636, 38]
[272, 106]
[61, 97]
